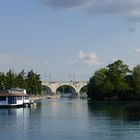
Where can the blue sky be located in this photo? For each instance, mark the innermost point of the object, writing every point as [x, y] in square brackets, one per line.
[68, 37]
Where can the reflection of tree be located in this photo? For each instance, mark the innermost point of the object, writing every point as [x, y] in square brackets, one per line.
[132, 112]
[125, 111]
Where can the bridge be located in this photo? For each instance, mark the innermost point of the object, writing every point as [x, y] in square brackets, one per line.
[52, 87]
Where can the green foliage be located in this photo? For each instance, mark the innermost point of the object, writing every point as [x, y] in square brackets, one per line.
[20, 80]
[33, 83]
[2, 80]
[96, 83]
[117, 75]
[10, 79]
[30, 81]
[83, 89]
[110, 82]
[136, 80]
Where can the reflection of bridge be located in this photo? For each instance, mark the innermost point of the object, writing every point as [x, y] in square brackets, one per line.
[76, 86]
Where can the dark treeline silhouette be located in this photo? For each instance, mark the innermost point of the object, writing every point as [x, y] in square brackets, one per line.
[29, 81]
[115, 82]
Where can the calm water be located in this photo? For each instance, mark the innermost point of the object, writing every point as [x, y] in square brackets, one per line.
[65, 119]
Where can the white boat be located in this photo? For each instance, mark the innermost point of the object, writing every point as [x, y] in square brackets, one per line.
[13, 97]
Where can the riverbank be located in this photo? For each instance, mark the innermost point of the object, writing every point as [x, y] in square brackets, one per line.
[35, 98]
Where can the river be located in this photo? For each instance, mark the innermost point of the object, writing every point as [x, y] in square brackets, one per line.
[71, 119]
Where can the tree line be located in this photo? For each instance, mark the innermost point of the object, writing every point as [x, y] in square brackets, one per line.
[30, 81]
[115, 82]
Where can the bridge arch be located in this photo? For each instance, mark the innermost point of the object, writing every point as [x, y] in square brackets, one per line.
[73, 90]
[46, 90]
[81, 88]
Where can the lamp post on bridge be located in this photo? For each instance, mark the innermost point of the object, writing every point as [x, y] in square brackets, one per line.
[72, 77]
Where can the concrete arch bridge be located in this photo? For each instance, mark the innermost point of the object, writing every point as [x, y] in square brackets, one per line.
[52, 87]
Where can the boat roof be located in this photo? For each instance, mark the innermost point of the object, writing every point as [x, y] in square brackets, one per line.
[13, 95]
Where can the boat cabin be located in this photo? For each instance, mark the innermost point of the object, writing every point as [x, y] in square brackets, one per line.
[13, 98]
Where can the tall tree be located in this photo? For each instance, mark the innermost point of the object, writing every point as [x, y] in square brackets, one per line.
[20, 80]
[33, 83]
[136, 80]
[2, 80]
[109, 82]
[96, 84]
[10, 79]
[117, 73]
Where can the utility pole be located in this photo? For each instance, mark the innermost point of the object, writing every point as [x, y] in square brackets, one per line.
[45, 76]
[50, 77]
[74, 77]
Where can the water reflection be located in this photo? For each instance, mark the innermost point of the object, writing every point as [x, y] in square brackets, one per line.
[132, 112]
[114, 120]
[20, 111]
[71, 119]
[126, 111]
[17, 112]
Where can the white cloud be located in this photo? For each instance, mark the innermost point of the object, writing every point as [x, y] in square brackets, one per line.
[134, 51]
[134, 16]
[130, 9]
[89, 58]
[130, 51]
[46, 63]
[137, 50]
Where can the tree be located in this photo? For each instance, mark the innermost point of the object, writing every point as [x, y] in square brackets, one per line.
[109, 82]
[33, 82]
[20, 80]
[96, 83]
[117, 73]
[119, 68]
[2, 80]
[30, 81]
[10, 79]
[136, 80]
[108, 88]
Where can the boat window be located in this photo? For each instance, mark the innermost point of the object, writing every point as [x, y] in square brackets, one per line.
[26, 98]
[2, 98]
[19, 98]
[12, 100]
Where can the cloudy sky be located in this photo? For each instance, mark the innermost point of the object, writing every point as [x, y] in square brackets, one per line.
[63, 38]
